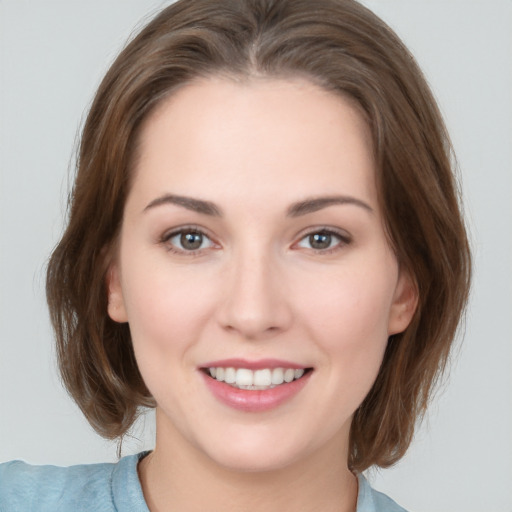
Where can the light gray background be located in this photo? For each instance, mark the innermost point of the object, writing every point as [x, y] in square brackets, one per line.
[53, 55]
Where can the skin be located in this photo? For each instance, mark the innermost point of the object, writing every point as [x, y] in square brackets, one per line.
[255, 289]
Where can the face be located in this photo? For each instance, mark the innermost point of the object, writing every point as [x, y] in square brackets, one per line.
[254, 271]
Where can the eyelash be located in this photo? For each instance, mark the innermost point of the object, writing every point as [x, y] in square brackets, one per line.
[343, 240]
[167, 237]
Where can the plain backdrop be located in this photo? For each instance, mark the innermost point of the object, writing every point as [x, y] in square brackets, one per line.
[53, 55]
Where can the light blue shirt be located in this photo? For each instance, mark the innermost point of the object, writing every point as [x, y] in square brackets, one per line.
[107, 488]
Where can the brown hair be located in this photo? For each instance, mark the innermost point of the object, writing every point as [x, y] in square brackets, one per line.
[343, 47]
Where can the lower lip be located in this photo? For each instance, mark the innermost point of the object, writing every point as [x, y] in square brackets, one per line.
[255, 400]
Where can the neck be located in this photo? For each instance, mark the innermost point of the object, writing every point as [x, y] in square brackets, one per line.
[177, 476]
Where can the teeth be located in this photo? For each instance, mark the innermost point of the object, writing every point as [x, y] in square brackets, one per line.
[230, 376]
[277, 376]
[289, 375]
[266, 378]
[219, 374]
[244, 377]
[262, 378]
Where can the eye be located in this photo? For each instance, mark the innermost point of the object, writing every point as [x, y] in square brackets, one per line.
[187, 240]
[323, 240]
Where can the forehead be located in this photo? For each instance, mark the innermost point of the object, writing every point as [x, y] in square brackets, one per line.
[255, 138]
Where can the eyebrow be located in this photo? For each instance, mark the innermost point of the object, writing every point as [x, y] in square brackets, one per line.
[304, 207]
[195, 205]
[315, 204]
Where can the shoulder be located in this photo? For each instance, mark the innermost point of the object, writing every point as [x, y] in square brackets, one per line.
[370, 500]
[27, 487]
[78, 488]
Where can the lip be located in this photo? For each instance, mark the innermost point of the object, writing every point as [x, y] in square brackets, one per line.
[259, 364]
[254, 400]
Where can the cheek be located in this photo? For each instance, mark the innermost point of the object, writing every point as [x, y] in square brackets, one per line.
[166, 307]
[348, 317]
[167, 311]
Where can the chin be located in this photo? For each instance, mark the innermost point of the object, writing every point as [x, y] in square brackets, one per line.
[249, 452]
[254, 461]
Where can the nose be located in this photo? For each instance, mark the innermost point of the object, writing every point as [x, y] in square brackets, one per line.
[256, 304]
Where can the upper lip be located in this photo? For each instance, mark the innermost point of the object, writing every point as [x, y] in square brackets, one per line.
[253, 365]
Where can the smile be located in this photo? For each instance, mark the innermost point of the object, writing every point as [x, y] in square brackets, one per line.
[256, 386]
[259, 380]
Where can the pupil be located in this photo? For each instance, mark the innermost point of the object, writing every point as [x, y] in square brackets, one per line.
[191, 241]
[320, 240]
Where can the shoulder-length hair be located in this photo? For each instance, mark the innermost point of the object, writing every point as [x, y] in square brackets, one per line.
[340, 46]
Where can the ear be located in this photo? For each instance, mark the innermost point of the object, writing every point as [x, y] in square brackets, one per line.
[405, 302]
[116, 308]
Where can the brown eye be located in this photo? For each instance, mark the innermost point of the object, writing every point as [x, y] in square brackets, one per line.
[320, 240]
[187, 240]
[324, 240]
[191, 241]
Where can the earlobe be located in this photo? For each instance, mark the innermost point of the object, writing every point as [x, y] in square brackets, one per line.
[404, 304]
[116, 309]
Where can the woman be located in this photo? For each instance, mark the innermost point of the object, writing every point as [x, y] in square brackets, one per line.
[265, 244]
